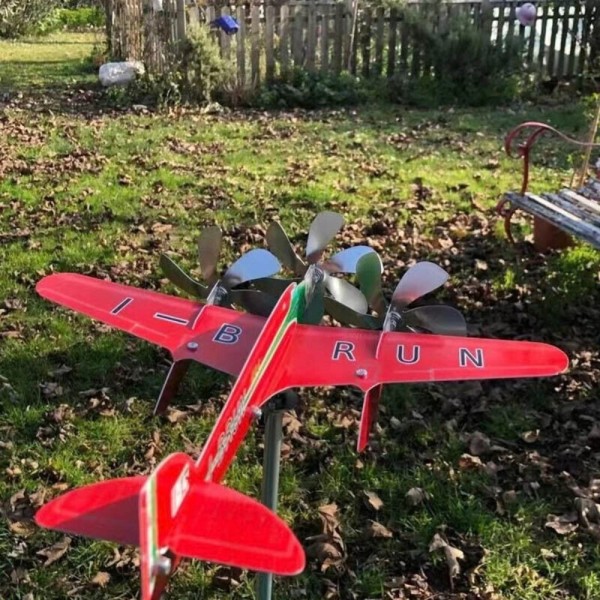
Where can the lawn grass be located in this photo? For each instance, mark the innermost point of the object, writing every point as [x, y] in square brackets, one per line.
[105, 193]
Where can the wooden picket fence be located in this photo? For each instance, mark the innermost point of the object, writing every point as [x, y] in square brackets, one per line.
[275, 37]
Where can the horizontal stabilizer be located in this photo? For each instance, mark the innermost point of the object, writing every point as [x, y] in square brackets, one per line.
[218, 524]
[107, 511]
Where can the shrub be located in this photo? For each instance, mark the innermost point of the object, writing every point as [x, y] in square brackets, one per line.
[463, 66]
[80, 18]
[19, 17]
[196, 73]
[304, 89]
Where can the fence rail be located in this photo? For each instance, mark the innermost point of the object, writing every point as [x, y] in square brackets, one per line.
[331, 37]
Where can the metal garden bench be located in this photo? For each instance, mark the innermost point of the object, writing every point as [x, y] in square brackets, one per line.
[574, 211]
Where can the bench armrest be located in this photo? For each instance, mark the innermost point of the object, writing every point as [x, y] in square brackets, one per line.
[519, 142]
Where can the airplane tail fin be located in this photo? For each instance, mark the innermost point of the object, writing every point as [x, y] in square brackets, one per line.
[174, 510]
[105, 510]
[236, 530]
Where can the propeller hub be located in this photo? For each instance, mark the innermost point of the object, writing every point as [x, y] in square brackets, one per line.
[393, 319]
[217, 295]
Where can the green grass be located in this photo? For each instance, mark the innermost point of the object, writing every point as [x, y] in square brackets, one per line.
[85, 194]
[48, 61]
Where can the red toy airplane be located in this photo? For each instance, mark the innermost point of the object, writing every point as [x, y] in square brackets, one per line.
[181, 510]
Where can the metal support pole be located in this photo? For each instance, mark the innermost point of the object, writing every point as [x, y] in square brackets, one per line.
[273, 414]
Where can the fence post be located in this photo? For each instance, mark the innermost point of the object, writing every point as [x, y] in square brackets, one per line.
[338, 32]
[269, 31]
[255, 47]
[284, 39]
[181, 22]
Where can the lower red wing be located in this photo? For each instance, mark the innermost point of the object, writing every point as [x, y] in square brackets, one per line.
[107, 511]
[322, 356]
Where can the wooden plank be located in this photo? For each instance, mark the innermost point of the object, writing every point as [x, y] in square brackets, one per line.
[487, 17]
[269, 49]
[311, 36]
[501, 20]
[417, 51]
[379, 31]
[225, 40]
[544, 208]
[392, 41]
[573, 27]
[193, 15]
[585, 33]
[542, 43]
[240, 49]
[350, 35]
[592, 207]
[324, 37]
[298, 36]
[563, 38]
[338, 32]
[365, 41]
[255, 45]
[404, 43]
[284, 39]
[574, 207]
[510, 25]
[550, 66]
[181, 20]
[531, 35]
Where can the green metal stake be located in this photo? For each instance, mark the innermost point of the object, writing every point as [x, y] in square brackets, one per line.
[273, 415]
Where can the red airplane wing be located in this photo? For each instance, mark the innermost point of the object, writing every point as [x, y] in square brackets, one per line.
[106, 511]
[221, 525]
[325, 356]
[164, 320]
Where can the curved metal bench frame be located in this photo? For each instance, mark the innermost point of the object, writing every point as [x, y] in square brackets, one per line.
[515, 147]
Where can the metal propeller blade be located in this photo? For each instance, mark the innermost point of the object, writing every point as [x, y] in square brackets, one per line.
[346, 316]
[254, 264]
[181, 279]
[322, 230]
[368, 272]
[282, 248]
[346, 293]
[420, 279]
[346, 261]
[209, 249]
[273, 286]
[258, 303]
[441, 320]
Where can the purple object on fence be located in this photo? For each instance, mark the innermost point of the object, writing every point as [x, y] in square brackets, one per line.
[526, 14]
[227, 23]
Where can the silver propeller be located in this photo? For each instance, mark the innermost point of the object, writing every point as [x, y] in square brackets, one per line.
[255, 264]
[322, 230]
[420, 279]
[258, 263]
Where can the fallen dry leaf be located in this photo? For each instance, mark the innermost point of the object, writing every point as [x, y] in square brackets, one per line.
[563, 524]
[377, 530]
[453, 555]
[56, 551]
[23, 528]
[373, 500]
[416, 496]
[101, 579]
[479, 444]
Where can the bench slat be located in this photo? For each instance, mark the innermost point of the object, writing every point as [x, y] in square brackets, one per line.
[592, 206]
[573, 207]
[557, 215]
